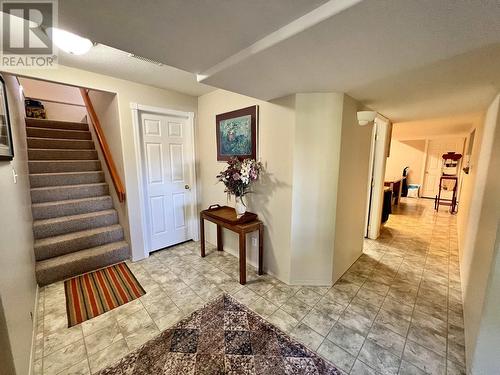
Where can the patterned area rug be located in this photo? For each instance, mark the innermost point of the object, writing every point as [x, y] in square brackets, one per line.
[94, 293]
[223, 337]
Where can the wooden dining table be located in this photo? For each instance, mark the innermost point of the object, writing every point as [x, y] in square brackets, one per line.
[396, 184]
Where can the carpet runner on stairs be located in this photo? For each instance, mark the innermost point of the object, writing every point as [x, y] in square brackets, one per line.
[75, 226]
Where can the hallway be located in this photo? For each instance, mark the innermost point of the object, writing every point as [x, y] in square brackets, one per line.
[415, 265]
[396, 311]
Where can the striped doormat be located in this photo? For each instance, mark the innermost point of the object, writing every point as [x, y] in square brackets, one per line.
[94, 293]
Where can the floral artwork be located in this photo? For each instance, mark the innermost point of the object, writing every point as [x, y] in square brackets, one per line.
[236, 134]
[239, 175]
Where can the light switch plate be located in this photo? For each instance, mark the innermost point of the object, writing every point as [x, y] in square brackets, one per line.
[14, 175]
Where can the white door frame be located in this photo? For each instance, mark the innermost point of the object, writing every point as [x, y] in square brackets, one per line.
[381, 152]
[137, 109]
[422, 170]
[370, 178]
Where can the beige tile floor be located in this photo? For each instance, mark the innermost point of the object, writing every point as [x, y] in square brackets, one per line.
[396, 311]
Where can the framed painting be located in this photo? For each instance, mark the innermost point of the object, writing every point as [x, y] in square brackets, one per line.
[237, 134]
[6, 146]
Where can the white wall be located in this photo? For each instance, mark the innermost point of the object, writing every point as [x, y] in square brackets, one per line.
[486, 359]
[300, 141]
[458, 125]
[127, 92]
[106, 107]
[53, 96]
[272, 198]
[64, 112]
[468, 184]
[47, 90]
[406, 153]
[331, 158]
[316, 163]
[478, 247]
[17, 271]
[352, 188]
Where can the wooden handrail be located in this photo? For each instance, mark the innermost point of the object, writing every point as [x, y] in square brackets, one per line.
[117, 182]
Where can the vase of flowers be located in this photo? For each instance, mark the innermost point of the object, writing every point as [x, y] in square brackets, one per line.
[237, 178]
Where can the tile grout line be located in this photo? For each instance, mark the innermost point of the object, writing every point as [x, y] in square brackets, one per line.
[414, 305]
[86, 350]
[427, 255]
[380, 308]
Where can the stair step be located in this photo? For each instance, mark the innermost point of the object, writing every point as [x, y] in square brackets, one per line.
[65, 178]
[58, 133]
[60, 193]
[51, 166]
[50, 210]
[60, 143]
[52, 247]
[53, 124]
[66, 266]
[74, 223]
[61, 154]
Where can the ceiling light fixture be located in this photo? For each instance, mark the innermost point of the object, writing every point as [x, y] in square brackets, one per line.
[69, 42]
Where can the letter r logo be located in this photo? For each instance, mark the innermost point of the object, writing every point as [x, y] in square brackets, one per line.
[24, 26]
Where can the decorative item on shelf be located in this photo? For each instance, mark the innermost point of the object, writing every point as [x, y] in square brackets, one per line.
[237, 178]
[34, 109]
[6, 146]
[237, 134]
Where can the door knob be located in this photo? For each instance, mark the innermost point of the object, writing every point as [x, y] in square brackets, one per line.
[187, 187]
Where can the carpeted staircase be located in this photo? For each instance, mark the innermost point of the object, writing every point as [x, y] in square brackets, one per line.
[75, 226]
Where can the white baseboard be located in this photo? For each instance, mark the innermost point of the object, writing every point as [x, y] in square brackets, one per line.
[33, 328]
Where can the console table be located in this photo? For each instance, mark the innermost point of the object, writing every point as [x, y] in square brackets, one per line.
[225, 217]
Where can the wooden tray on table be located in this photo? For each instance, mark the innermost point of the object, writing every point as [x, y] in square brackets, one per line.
[228, 214]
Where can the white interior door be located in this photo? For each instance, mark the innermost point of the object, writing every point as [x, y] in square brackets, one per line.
[435, 150]
[167, 183]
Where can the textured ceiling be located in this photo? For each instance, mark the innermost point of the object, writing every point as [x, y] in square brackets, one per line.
[110, 61]
[406, 59]
[189, 34]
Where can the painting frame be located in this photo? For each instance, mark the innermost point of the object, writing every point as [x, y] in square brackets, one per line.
[242, 143]
[6, 148]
